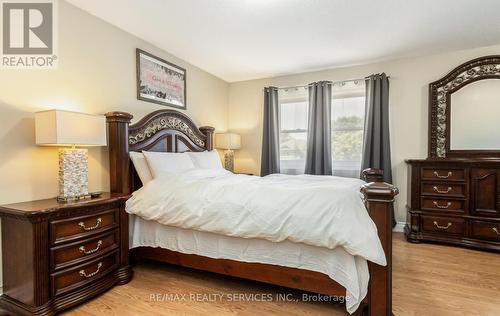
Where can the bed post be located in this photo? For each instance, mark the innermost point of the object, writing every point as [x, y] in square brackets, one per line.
[379, 199]
[119, 177]
[118, 151]
[208, 131]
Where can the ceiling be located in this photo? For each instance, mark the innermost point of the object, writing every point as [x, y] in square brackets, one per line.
[248, 39]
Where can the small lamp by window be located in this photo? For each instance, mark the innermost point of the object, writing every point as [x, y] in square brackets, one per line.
[228, 142]
[71, 129]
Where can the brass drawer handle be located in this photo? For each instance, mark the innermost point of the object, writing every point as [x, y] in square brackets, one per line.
[496, 231]
[441, 206]
[443, 177]
[84, 274]
[436, 189]
[442, 227]
[98, 223]
[88, 252]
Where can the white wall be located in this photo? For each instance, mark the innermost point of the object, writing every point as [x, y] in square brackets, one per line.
[408, 107]
[96, 74]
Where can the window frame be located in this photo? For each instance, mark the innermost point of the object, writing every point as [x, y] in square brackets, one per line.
[289, 100]
[355, 92]
[361, 93]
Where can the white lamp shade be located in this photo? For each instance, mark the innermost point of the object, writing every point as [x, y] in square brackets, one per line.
[65, 128]
[227, 141]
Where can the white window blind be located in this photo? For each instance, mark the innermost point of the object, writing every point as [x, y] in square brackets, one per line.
[348, 116]
[293, 130]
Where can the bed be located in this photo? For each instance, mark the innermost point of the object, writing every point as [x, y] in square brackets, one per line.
[263, 260]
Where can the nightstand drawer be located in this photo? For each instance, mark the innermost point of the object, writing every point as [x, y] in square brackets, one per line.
[485, 230]
[446, 225]
[70, 254]
[83, 226]
[76, 277]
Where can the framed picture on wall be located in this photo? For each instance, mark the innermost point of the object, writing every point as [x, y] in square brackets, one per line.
[159, 81]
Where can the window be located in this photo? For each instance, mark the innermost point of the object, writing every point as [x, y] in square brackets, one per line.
[293, 130]
[348, 116]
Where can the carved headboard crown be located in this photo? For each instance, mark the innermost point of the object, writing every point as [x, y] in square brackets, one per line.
[160, 124]
[163, 131]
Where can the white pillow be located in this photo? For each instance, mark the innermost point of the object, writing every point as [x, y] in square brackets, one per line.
[141, 166]
[206, 159]
[160, 162]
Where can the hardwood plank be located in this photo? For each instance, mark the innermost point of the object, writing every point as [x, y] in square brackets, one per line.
[427, 280]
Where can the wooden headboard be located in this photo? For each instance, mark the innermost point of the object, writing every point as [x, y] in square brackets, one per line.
[161, 131]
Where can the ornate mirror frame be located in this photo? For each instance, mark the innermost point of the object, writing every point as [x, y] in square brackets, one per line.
[440, 91]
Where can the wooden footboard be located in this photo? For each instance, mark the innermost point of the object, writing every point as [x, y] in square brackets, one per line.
[172, 131]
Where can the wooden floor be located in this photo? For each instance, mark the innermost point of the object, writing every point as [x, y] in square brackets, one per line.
[427, 280]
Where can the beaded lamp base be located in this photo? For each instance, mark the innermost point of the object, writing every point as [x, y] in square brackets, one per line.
[73, 172]
[229, 160]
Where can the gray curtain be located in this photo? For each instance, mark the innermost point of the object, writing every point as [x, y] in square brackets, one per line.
[319, 138]
[270, 160]
[376, 141]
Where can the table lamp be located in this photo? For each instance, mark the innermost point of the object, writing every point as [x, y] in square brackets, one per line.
[228, 142]
[69, 130]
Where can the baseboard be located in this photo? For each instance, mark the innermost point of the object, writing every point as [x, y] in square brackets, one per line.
[399, 228]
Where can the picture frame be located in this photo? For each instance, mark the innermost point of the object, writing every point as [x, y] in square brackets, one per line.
[159, 81]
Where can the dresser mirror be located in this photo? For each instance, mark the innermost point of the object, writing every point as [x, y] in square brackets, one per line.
[475, 116]
[464, 111]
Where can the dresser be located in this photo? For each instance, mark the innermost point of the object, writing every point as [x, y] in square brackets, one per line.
[454, 194]
[56, 255]
[455, 201]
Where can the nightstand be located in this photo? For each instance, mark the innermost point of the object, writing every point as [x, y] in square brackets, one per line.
[56, 255]
[248, 174]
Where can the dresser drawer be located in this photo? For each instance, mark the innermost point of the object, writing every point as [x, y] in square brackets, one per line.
[447, 225]
[443, 174]
[73, 253]
[442, 204]
[83, 226]
[443, 189]
[485, 230]
[70, 279]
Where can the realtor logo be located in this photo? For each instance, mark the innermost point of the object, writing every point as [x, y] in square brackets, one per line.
[28, 34]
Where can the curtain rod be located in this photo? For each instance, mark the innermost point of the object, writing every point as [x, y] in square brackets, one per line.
[332, 83]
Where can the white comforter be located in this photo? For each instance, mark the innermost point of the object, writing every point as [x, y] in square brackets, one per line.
[319, 211]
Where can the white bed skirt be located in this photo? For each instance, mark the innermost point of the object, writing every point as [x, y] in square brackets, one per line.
[349, 271]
